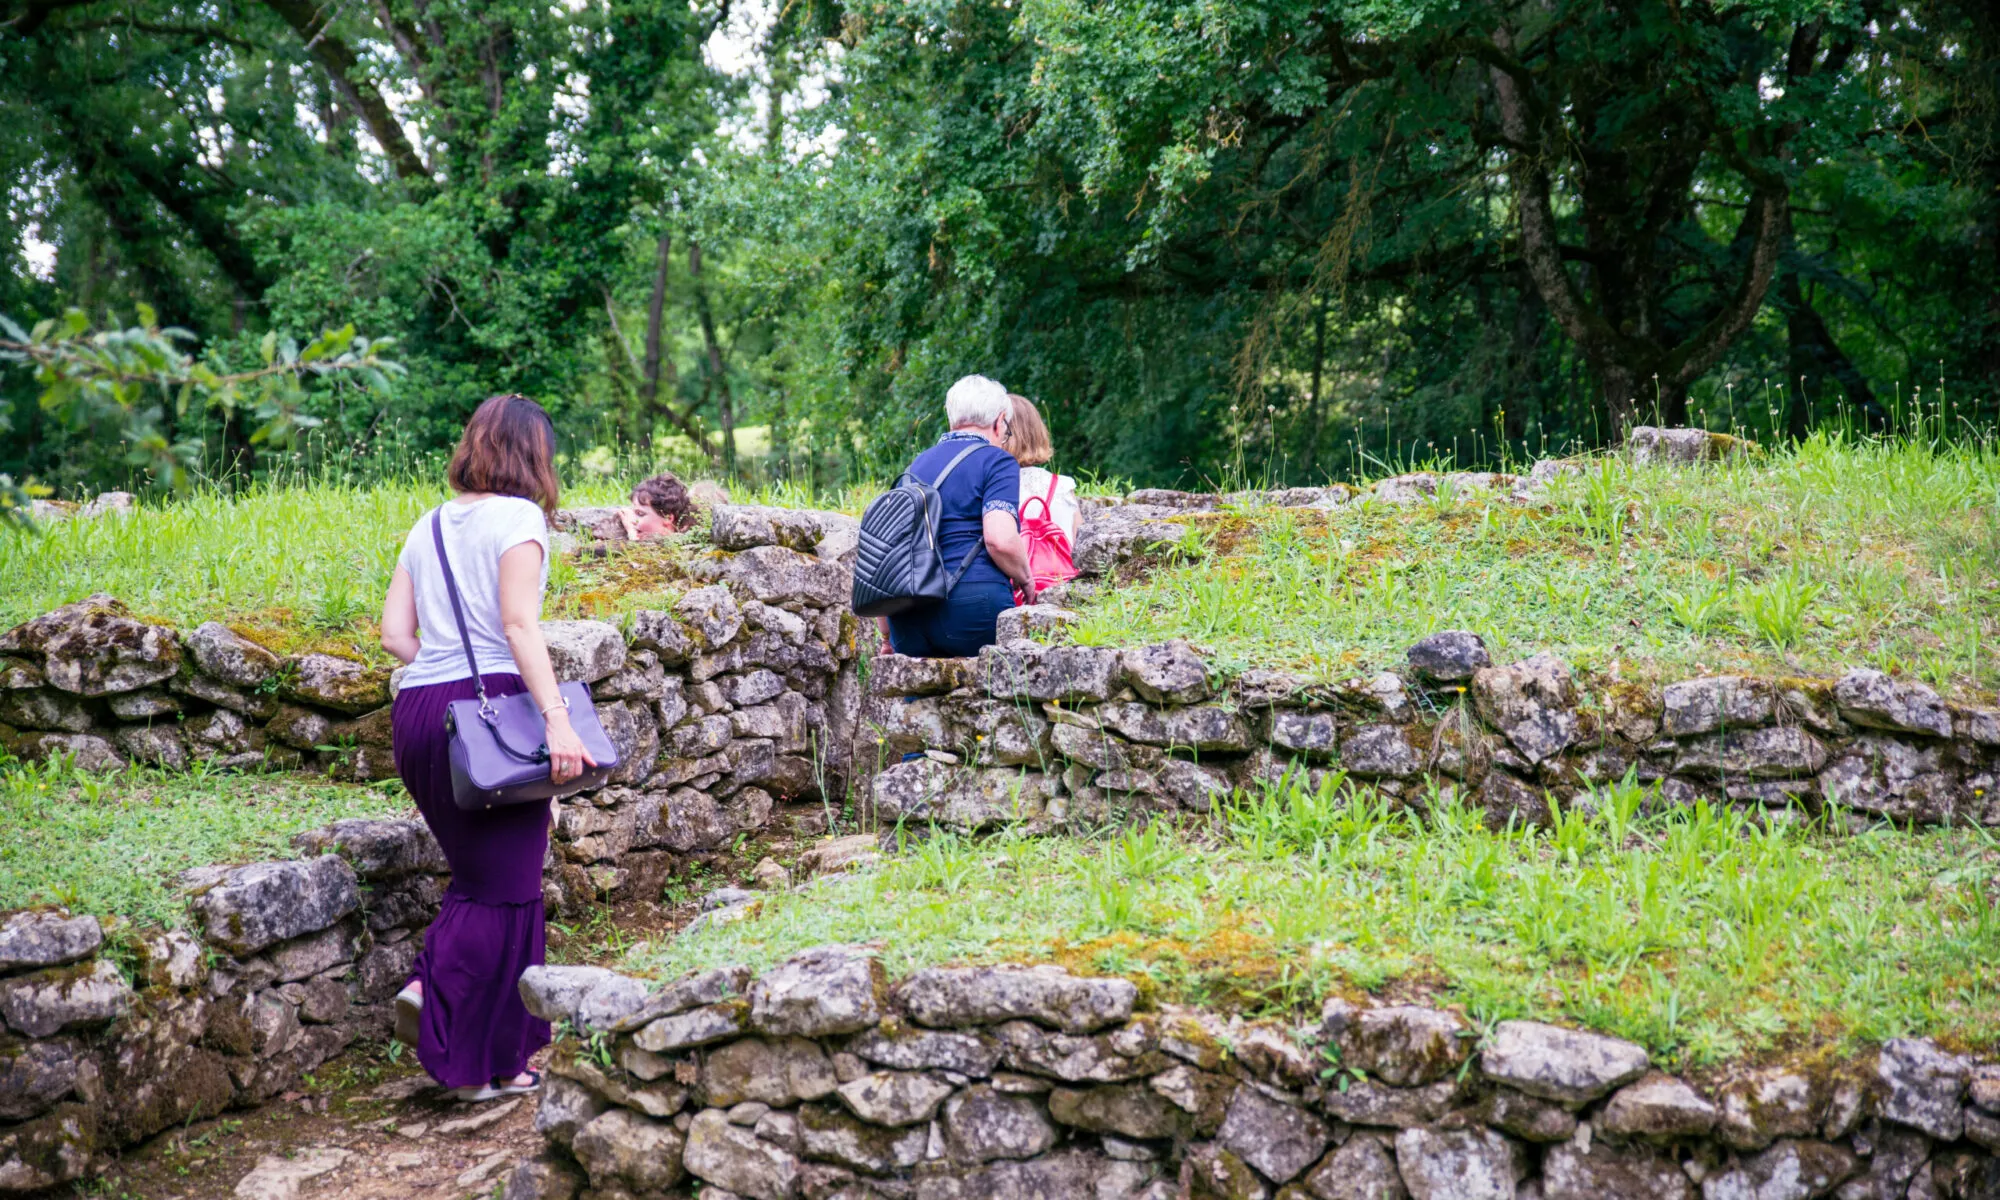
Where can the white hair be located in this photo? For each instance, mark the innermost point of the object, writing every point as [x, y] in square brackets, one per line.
[974, 400]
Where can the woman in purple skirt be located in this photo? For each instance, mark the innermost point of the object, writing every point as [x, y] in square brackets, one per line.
[461, 1008]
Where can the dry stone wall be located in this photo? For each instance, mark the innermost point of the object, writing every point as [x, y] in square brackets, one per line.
[745, 693]
[1078, 736]
[823, 1080]
[109, 1035]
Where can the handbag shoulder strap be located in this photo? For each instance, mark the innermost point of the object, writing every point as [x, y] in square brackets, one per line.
[948, 467]
[457, 609]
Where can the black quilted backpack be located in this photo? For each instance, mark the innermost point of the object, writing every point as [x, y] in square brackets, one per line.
[897, 565]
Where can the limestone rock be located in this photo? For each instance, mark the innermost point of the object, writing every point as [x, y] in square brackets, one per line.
[1658, 1108]
[1506, 799]
[1527, 1117]
[544, 1177]
[278, 1177]
[1204, 727]
[1568, 1066]
[774, 1071]
[44, 938]
[1869, 697]
[1452, 656]
[34, 1076]
[556, 993]
[1167, 673]
[1532, 702]
[696, 1027]
[1366, 1102]
[46, 1002]
[249, 908]
[1785, 751]
[1068, 1173]
[1213, 1173]
[228, 657]
[1459, 1164]
[1380, 752]
[662, 634]
[1923, 1087]
[1789, 1170]
[1027, 671]
[341, 684]
[968, 800]
[742, 526]
[1758, 1108]
[1721, 702]
[1110, 1057]
[1680, 446]
[621, 1147]
[1364, 1168]
[774, 575]
[1311, 734]
[732, 1157]
[944, 997]
[822, 991]
[837, 855]
[49, 709]
[378, 848]
[828, 1133]
[1279, 1140]
[974, 1055]
[1401, 1045]
[154, 745]
[893, 1098]
[142, 705]
[95, 647]
[86, 751]
[1027, 621]
[1130, 1110]
[566, 1106]
[1595, 1170]
[584, 651]
[981, 1125]
[899, 675]
[1111, 536]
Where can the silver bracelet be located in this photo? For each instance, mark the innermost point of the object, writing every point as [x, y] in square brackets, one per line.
[561, 702]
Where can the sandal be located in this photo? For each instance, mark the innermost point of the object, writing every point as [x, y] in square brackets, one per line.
[480, 1093]
[409, 1008]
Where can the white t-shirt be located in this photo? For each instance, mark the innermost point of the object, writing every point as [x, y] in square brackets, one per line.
[1064, 508]
[475, 536]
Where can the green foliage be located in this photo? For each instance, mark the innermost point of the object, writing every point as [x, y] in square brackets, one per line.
[127, 386]
[1701, 932]
[112, 844]
[1813, 557]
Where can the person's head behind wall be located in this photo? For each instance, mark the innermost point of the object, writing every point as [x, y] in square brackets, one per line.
[1028, 437]
[661, 505]
[508, 449]
[976, 402]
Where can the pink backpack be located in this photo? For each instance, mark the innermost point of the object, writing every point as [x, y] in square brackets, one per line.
[1050, 558]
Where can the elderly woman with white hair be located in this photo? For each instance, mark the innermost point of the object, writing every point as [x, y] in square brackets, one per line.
[978, 528]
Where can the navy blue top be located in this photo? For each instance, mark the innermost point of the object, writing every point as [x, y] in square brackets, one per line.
[989, 480]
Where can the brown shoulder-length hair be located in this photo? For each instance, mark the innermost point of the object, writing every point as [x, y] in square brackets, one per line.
[509, 449]
[1027, 437]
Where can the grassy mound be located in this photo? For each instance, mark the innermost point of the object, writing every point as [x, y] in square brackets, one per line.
[1832, 555]
[111, 844]
[1695, 932]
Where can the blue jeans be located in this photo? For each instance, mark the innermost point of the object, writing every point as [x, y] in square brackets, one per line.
[953, 628]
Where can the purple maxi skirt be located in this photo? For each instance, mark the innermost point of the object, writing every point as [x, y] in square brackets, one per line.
[490, 929]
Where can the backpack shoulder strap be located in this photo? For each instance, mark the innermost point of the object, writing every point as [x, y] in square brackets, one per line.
[950, 466]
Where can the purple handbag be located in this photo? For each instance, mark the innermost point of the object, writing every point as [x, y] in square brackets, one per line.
[498, 748]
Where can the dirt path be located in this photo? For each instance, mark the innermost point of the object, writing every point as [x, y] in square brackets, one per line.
[371, 1125]
[366, 1127]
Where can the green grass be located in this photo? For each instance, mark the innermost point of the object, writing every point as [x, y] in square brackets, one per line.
[1696, 933]
[300, 565]
[112, 844]
[1835, 554]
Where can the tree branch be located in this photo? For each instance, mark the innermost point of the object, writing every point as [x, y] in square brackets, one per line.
[312, 23]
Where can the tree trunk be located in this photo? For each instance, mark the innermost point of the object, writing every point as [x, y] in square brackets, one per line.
[656, 306]
[725, 406]
[309, 20]
[1319, 366]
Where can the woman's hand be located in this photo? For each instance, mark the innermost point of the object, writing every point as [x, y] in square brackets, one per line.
[629, 518]
[567, 757]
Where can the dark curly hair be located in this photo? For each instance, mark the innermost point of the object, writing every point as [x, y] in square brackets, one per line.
[668, 496]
